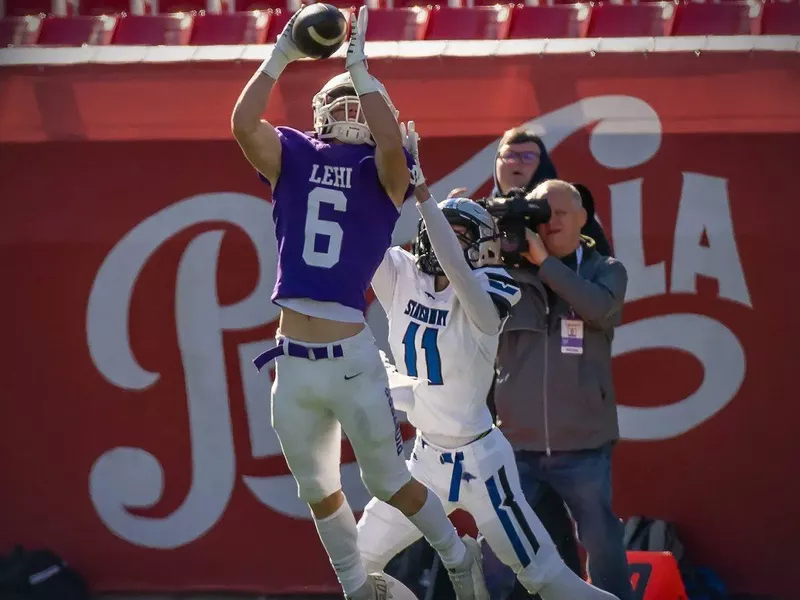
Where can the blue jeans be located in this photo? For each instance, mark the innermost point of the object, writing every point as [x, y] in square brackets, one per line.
[583, 480]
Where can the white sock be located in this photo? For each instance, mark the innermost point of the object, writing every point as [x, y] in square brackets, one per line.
[568, 586]
[432, 521]
[340, 537]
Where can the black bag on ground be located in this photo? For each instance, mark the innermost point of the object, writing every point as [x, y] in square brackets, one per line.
[654, 535]
[39, 575]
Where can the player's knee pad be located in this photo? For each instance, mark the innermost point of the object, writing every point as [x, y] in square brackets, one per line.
[385, 484]
[315, 489]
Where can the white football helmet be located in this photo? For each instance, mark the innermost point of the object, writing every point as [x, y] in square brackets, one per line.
[339, 96]
[482, 236]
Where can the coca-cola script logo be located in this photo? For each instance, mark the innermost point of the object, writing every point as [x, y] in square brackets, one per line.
[626, 133]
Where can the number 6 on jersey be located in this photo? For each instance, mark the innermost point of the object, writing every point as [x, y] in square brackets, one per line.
[433, 361]
[315, 226]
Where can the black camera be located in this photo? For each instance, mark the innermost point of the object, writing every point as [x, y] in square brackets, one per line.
[513, 214]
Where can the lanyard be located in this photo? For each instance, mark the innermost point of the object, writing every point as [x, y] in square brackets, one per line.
[578, 260]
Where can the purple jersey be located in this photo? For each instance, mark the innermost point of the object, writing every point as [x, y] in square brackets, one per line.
[333, 220]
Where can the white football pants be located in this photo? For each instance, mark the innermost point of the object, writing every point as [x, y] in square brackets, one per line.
[313, 400]
[482, 479]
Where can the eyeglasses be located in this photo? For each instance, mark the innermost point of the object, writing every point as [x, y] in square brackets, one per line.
[526, 158]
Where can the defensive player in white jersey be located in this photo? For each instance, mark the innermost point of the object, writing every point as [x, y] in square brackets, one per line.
[336, 196]
[445, 305]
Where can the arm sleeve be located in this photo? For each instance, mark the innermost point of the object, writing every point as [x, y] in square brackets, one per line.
[598, 302]
[478, 305]
[501, 288]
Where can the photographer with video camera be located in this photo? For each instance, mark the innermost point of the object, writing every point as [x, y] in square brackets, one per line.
[554, 394]
[523, 162]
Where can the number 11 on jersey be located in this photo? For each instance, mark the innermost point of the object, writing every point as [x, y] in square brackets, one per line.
[433, 361]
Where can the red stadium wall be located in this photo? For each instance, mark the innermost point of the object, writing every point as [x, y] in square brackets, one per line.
[138, 258]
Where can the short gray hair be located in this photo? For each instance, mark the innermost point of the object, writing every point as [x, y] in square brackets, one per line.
[541, 190]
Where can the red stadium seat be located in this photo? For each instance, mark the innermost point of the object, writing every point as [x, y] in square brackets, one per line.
[471, 3]
[277, 21]
[410, 3]
[348, 4]
[781, 18]
[731, 18]
[176, 6]
[547, 2]
[21, 8]
[78, 31]
[19, 31]
[116, 7]
[535, 22]
[230, 29]
[397, 24]
[631, 20]
[247, 5]
[154, 30]
[478, 23]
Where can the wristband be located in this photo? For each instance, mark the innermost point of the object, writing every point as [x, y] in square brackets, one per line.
[275, 64]
[363, 82]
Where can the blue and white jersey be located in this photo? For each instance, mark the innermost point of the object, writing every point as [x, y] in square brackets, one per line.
[432, 338]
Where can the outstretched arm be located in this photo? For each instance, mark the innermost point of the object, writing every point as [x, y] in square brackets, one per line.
[389, 156]
[257, 138]
[477, 303]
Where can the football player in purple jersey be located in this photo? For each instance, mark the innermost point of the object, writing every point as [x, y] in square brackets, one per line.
[336, 196]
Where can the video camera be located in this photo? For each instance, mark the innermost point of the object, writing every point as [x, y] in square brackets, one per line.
[513, 214]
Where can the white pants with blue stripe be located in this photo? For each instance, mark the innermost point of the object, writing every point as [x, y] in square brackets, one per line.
[480, 478]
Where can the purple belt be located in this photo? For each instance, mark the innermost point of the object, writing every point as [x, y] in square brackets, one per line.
[298, 351]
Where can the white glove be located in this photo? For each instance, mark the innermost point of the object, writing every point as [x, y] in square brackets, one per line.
[411, 143]
[284, 52]
[356, 61]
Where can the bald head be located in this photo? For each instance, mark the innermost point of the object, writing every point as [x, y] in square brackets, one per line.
[563, 187]
[562, 234]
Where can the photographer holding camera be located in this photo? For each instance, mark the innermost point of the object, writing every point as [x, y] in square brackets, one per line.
[523, 162]
[554, 394]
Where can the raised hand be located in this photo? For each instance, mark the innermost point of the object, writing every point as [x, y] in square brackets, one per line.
[411, 143]
[284, 51]
[358, 37]
[285, 43]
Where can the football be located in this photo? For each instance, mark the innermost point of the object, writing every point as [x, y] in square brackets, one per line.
[319, 30]
[391, 588]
